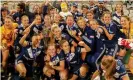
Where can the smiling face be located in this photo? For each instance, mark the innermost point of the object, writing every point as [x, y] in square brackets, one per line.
[84, 10]
[38, 19]
[90, 16]
[118, 7]
[66, 47]
[124, 22]
[107, 18]
[57, 32]
[8, 23]
[47, 19]
[25, 21]
[81, 23]
[51, 50]
[35, 40]
[70, 21]
[93, 24]
[57, 18]
[36, 9]
[101, 4]
[91, 3]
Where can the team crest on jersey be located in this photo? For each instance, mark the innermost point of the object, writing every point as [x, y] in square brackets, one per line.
[62, 27]
[117, 67]
[56, 61]
[38, 53]
[70, 57]
[20, 32]
[98, 35]
[111, 32]
[30, 52]
[17, 19]
[36, 30]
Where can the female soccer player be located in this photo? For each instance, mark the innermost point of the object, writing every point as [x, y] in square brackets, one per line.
[73, 58]
[128, 30]
[118, 13]
[112, 69]
[55, 64]
[29, 53]
[7, 38]
[110, 31]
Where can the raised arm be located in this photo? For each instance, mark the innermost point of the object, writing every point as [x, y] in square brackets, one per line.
[95, 74]
[109, 36]
[86, 47]
[22, 40]
[28, 28]
[45, 7]
[61, 67]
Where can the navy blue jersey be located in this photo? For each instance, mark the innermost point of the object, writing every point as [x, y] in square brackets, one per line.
[100, 39]
[68, 29]
[112, 29]
[111, 45]
[120, 70]
[88, 36]
[63, 36]
[20, 32]
[62, 25]
[44, 11]
[99, 47]
[100, 22]
[115, 14]
[57, 58]
[36, 29]
[30, 53]
[116, 18]
[74, 59]
[19, 35]
[76, 15]
[92, 7]
[17, 17]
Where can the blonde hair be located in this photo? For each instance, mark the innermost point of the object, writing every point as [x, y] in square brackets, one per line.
[94, 21]
[126, 17]
[107, 12]
[81, 18]
[9, 17]
[109, 63]
[62, 42]
[54, 26]
[119, 3]
[24, 17]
